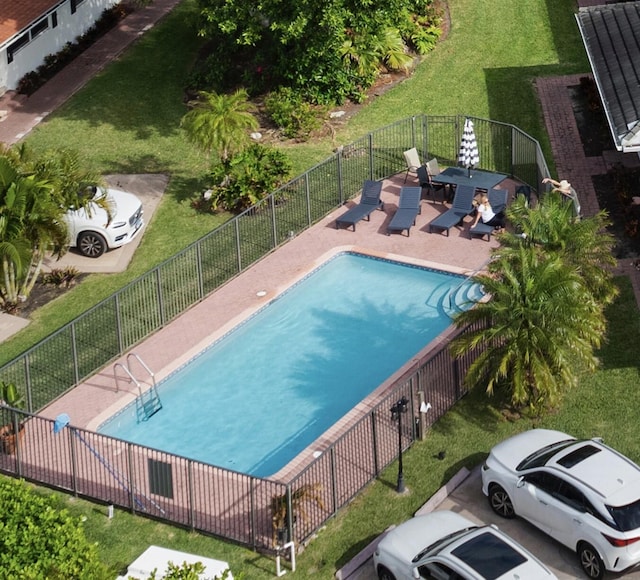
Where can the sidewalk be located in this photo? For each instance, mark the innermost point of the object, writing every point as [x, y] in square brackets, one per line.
[19, 113]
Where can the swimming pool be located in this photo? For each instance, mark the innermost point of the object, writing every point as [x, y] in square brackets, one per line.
[266, 390]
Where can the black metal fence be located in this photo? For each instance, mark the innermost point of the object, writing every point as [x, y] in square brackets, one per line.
[260, 513]
[200, 496]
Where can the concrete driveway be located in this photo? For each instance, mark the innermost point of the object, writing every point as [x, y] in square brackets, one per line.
[468, 500]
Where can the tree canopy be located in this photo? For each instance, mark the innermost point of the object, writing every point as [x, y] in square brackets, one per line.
[329, 51]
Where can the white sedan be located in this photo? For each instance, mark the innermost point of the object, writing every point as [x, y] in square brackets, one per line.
[93, 230]
[444, 545]
[583, 493]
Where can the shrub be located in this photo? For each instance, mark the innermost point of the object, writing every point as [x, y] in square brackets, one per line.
[292, 114]
[53, 63]
[61, 277]
[245, 179]
[39, 541]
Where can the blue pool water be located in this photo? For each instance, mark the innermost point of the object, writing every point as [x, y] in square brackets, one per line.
[257, 397]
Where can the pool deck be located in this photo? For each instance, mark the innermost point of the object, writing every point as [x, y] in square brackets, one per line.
[98, 398]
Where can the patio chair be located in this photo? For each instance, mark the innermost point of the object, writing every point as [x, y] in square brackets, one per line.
[412, 158]
[461, 207]
[369, 201]
[408, 209]
[498, 201]
[426, 182]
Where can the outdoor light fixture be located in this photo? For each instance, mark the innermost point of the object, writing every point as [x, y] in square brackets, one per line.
[396, 414]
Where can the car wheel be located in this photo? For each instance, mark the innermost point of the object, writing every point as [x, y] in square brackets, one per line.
[384, 574]
[91, 244]
[590, 561]
[500, 502]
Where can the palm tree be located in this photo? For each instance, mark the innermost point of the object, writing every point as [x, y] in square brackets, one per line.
[536, 332]
[583, 244]
[220, 123]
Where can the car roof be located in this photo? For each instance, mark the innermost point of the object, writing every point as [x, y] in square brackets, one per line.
[484, 552]
[410, 538]
[608, 473]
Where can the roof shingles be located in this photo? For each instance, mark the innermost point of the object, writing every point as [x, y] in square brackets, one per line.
[15, 15]
[611, 35]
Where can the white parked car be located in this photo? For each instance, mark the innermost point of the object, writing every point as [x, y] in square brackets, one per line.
[583, 493]
[444, 545]
[93, 232]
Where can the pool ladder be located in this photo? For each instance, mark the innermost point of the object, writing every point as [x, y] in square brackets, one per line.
[148, 402]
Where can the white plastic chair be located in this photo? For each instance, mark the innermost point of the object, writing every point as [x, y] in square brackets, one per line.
[413, 161]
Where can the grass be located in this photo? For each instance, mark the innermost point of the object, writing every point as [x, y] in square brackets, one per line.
[127, 121]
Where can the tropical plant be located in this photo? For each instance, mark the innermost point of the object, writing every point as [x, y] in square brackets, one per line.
[35, 192]
[10, 395]
[220, 123]
[308, 493]
[535, 333]
[584, 244]
[246, 179]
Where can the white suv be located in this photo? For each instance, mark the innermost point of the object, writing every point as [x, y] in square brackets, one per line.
[444, 545]
[583, 493]
[93, 231]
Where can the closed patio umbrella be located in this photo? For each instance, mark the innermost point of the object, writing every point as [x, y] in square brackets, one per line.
[468, 155]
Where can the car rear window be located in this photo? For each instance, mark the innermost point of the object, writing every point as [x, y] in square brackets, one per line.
[489, 555]
[627, 517]
[580, 454]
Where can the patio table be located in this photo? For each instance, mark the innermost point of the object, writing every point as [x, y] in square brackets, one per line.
[479, 179]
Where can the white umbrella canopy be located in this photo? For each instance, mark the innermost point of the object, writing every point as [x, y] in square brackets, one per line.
[468, 155]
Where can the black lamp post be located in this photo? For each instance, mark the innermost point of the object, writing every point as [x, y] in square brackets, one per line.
[396, 413]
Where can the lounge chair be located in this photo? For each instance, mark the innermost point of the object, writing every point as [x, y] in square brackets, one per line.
[408, 209]
[498, 201]
[369, 201]
[461, 207]
[412, 159]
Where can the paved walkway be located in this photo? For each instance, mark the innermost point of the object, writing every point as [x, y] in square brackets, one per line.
[571, 162]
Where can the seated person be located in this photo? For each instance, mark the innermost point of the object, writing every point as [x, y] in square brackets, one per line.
[488, 216]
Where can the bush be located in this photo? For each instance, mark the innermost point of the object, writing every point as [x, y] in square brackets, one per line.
[245, 179]
[292, 114]
[61, 277]
[39, 541]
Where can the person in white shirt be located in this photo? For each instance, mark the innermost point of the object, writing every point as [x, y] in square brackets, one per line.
[487, 215]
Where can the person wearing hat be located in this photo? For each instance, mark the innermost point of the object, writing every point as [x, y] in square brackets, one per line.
[564, 187]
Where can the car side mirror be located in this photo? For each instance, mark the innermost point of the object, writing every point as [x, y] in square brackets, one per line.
[415, 573]
[521, 481]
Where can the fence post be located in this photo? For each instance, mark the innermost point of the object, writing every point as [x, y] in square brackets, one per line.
[190, 499]
[371, 166]
[74, 350]
[374, 437]
[238, 250]
[132, 494]
[74, 461]
[160, 298]
[119, 323]
[199, 269]
[334, 485]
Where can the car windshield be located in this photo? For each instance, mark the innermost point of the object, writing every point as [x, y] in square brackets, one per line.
[489, 555]
[442, 542]
[627, 517]
[540, 457]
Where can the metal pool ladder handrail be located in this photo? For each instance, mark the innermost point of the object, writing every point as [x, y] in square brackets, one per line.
[144, 408]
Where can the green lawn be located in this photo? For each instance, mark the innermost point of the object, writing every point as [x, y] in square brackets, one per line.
[126, 121]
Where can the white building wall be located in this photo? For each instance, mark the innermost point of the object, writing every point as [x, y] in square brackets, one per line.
[50, 41]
